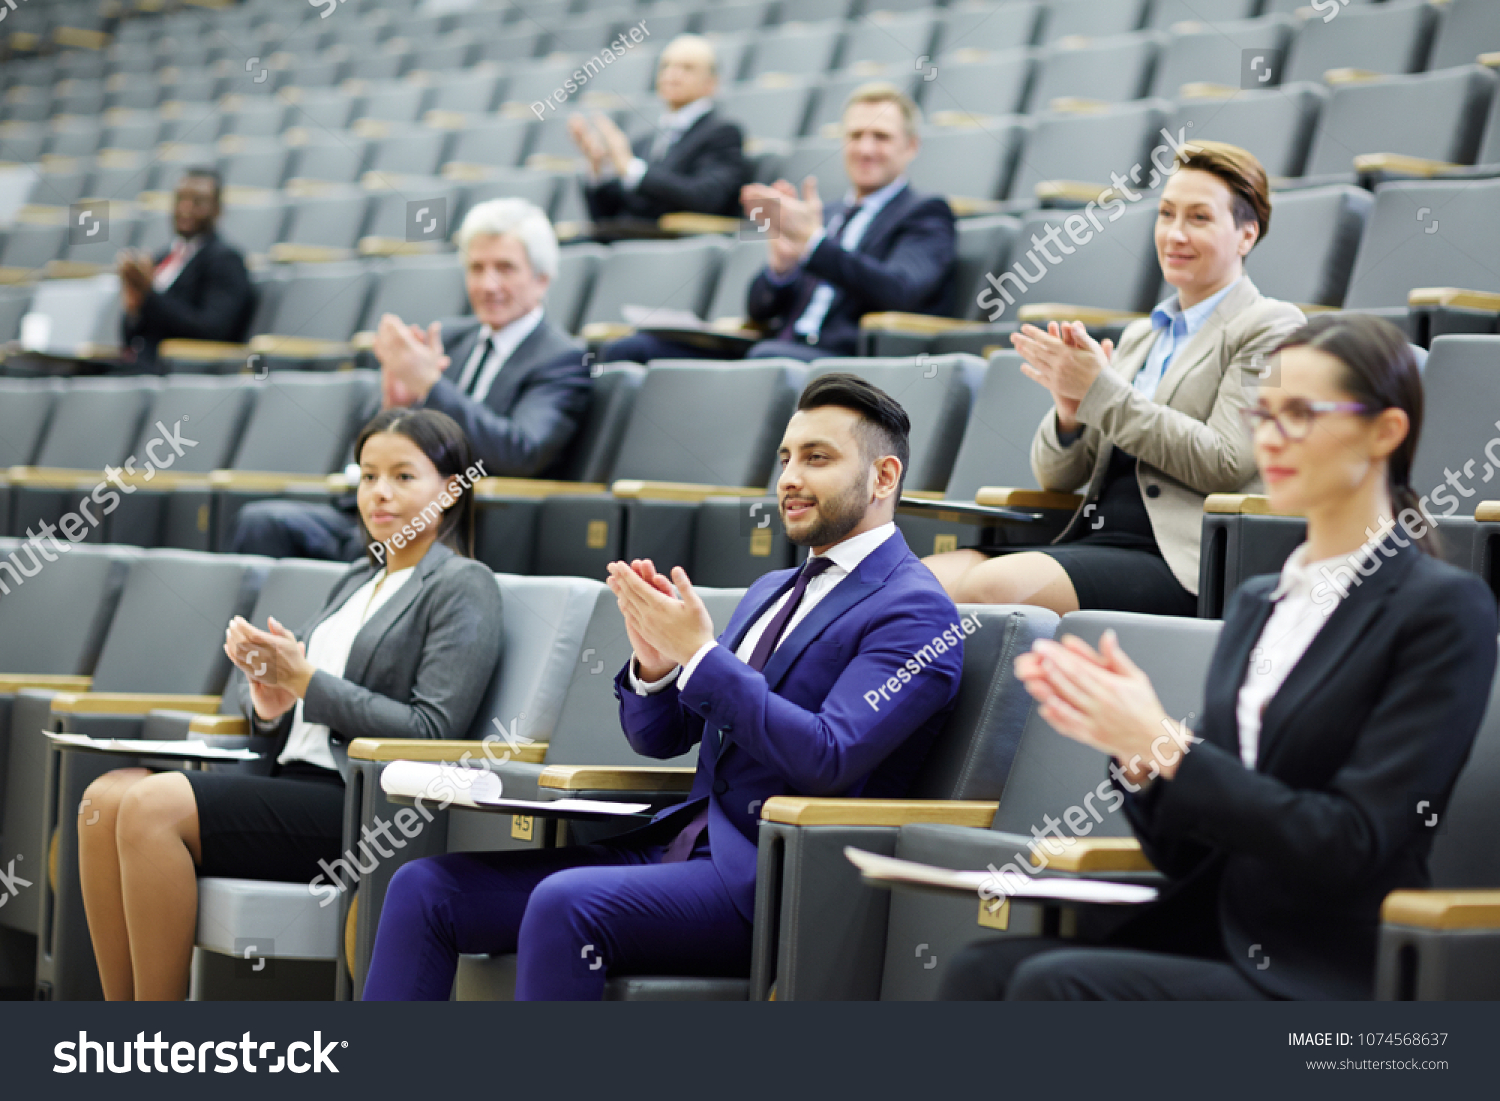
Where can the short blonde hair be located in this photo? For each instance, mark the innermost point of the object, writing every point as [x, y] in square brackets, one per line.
[883, 91]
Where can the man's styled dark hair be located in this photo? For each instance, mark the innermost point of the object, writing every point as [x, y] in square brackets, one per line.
[884, 427]
[206, 173]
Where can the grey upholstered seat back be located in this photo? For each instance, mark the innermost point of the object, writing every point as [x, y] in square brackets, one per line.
[974, 751]
[996, 448]
[1398, 253]
[1463, 852]
[937, 393]
[25, 408]
[1461, 385]
[206, 410]
[1052, 773]
[714, 424]
[55, 621]
[303, 421]
[588, 727]
[1308, 258]
[94, 422]
[592, 450]
[167, 634]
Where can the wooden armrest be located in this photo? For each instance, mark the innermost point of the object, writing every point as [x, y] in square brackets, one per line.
[80, 39]
[363, 341]
[71, 269]
[465, 171]
[130, 703]
[1095, 855]
[924, 324]
[1490, 60]
[1350, 75]
[967, 206]
[451, 749]
[286, 252]
[14, 682]
[262, 481]
[1060, 311]
[1487, 512]
[1457, 297]
[687, 223]
[46, 477]
[1205, 89]
[1076, 105]
[1442, 909]
[1400, 162]
[219, 724]
[396, 246]
[1006, 497]
[532, 487]
[1076, 190]
[299, 346]
[212, 351]
[1242, 504]
[802, 811]
[637, 489]
[14, 277]
[617, 778]
[601, 332]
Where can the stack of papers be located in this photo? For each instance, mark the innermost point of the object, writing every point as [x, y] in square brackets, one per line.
[479, 789]
[895, 872]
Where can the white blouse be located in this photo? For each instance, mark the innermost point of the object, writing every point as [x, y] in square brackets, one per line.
[328, 649]
[1304, 599]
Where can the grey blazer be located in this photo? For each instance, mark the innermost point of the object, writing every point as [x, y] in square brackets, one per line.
[1188, 440]
[418, 669]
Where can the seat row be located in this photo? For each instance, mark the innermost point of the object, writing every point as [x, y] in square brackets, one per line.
[674, 463]
[548, 727]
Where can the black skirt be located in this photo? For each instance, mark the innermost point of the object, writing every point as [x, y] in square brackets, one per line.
[1111, 556]
[269, 827]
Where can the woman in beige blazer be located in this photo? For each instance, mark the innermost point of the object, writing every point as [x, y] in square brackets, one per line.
[1147, 430]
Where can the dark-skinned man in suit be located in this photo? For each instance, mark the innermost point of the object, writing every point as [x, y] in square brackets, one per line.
[197, 289]
[882, 247]
[516, 384]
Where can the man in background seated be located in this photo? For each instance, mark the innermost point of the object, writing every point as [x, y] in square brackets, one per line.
[516, 384]
[692, 160]
[198, 289]
[882, 247]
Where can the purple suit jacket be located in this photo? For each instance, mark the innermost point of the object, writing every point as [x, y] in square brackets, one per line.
[805, 724]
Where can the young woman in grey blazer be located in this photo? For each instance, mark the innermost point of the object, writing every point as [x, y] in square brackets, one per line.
[1147, 430]
[404, 648]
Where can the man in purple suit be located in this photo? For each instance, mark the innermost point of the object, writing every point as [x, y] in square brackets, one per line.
[830, 680]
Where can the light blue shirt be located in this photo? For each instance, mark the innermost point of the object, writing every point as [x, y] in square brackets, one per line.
[1174, 327]
[850, 234]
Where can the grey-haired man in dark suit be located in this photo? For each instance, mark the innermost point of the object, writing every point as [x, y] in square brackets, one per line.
[516, 384]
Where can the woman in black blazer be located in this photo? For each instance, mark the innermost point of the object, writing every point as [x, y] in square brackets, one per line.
[1342, 701]
[404, 648]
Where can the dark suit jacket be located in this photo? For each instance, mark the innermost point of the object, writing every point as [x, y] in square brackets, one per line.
[418, 669]
[211, 299]
[802, 726]
[701, 172]
[1296, 855]
[905, 261]
[533, 408]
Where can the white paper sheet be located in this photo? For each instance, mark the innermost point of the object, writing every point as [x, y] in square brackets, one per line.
[190, 749]
[889, 869]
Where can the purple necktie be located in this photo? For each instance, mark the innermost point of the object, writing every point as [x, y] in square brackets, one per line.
[681, 846]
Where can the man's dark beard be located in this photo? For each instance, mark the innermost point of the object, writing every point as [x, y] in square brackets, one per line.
[838, 516]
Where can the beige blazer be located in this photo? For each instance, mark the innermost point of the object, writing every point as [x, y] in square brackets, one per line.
[1189, 440]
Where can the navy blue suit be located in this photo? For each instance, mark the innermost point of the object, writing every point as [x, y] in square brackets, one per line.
[905, 260]
[802, 726]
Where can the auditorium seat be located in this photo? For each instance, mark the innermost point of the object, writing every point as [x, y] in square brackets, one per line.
[809, 48]
[1467, 28]
[767, 112]
[831, 92]
[1276, 123]
[1430, 117]
[507, 511]
[1391, 38]
[1101, 70]
[492, 142]
[1166, 14]
[1200, 53]
[881, 37]
[987, 25]
[978, 83]
[1049, 776]
[1439, 944]
[326, 155]
[1070, 156]
[695, 429]
[666, 275]
[1309, 253]
[1091, 18]
[164, 648]
[736, 16]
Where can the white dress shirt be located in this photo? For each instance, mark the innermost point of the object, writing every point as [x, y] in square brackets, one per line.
[328, 648]
[846, 556]
[505, 342]
[1304, 599]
